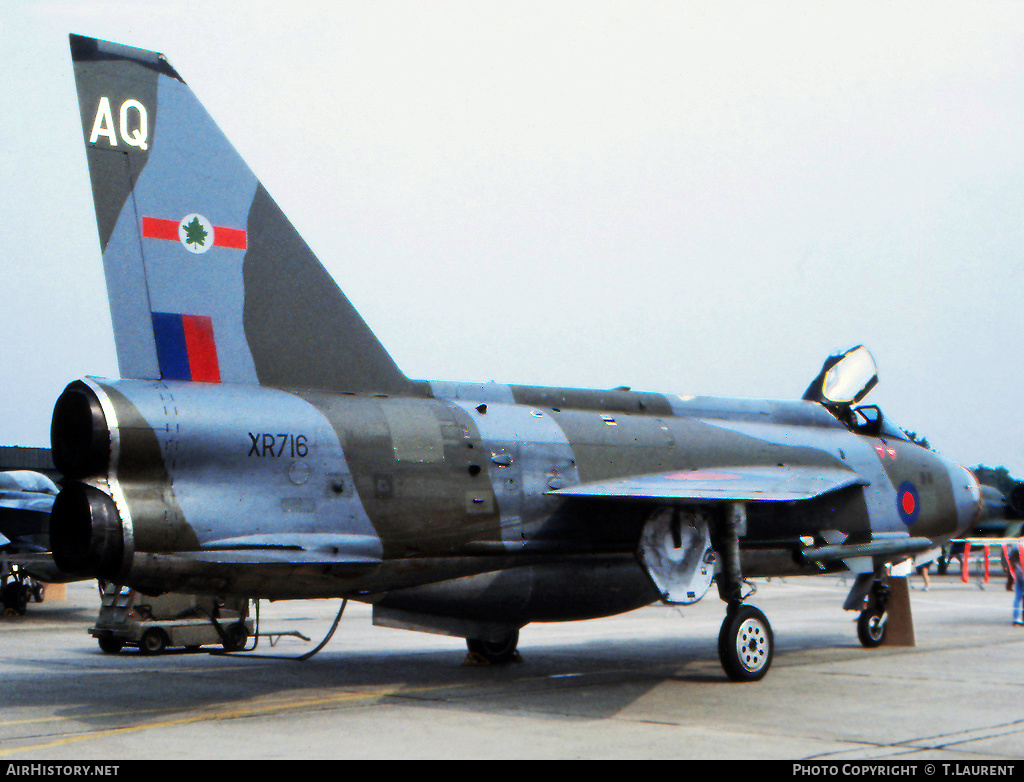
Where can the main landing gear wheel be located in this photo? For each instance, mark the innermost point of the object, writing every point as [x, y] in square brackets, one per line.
[745, 644]
[235, 637]
[871, 627]
[495, 652]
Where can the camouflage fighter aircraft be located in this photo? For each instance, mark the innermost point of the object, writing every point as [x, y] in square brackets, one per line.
[263, 443]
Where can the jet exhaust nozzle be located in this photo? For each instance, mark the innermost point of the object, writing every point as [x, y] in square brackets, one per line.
[79, 435]
[85, 532]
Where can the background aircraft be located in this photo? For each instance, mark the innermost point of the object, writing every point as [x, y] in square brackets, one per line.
[263, 443]
[25, 559]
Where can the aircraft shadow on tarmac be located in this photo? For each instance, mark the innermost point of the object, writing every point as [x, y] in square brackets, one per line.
[111, 691]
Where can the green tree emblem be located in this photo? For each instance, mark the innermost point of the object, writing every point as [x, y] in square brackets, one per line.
[195, 233]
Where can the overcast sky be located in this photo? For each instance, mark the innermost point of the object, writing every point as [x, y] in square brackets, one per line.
[702, 198]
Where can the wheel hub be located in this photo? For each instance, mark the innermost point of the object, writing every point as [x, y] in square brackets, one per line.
[752, 645]
[876, 626]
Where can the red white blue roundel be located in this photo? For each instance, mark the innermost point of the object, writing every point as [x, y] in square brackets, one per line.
[908, 503]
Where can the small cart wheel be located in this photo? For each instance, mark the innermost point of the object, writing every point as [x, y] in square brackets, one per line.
[153, 641]
[111, 645]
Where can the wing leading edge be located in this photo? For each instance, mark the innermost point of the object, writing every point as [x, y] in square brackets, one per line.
[721, 484]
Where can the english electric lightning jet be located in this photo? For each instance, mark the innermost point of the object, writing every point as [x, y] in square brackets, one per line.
[261, 442]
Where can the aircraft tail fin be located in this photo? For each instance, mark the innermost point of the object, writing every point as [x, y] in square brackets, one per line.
[207, 279]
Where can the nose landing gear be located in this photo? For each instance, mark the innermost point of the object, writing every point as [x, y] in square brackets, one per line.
[872, 622]
[872, 596]
[871, 627]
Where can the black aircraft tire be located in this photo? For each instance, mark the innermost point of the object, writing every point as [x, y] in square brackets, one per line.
[495, 652]
[746, 644]
[235, 637]
[153, 641]
[871, 627]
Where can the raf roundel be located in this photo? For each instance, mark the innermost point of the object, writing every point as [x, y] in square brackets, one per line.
[908, 502]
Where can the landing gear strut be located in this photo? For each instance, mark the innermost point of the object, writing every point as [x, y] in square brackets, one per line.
[746, 644]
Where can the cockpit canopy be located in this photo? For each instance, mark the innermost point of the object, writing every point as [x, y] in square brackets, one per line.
[845, 379]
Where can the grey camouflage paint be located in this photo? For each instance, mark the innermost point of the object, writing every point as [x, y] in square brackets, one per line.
[316, 468]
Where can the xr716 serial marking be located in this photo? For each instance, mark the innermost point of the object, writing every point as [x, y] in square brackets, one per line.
[274, 445]
[470, 509]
